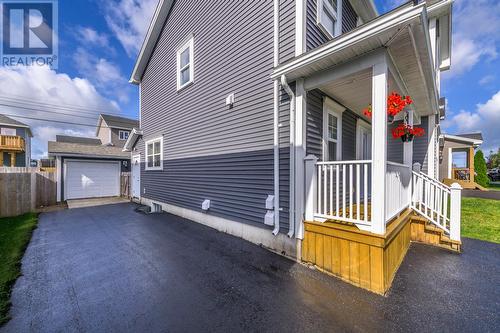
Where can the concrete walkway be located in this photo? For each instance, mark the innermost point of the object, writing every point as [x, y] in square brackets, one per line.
[110, 269]
[82, 203]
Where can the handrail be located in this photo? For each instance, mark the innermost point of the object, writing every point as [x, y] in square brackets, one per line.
[398, 164]
[344, 162]
[434, 181]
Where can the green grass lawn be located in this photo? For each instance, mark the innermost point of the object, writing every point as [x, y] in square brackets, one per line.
[481, 219]
[15, 234]
[494, 187]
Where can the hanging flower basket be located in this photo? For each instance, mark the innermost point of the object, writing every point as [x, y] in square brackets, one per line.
[395, 104]
[407, 132]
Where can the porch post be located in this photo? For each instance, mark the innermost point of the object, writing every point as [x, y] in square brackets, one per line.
[300, 154]
[12, 159]
[310, 187]
[471, 164]
[379, 145]
[455, 211]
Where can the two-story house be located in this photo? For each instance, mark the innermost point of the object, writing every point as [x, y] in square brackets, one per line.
[254, 122]
[92, 167]
[15, 143]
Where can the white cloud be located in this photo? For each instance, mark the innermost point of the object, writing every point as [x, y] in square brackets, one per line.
[55, 97]
[129, 20]
[485, 119]
[485, 80]
[104, 74]
[475, 37]
[91, 36]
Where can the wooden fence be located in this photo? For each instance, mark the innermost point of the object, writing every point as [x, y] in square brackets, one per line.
[23, 190]
[125, 184]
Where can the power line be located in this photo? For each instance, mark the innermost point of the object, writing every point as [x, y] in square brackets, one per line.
[53, 121]
[124, 123]
[71, 106]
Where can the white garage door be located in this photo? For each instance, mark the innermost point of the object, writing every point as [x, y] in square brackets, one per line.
[92, 179]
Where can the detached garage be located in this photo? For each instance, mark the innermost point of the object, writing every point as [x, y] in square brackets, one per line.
[87, 169]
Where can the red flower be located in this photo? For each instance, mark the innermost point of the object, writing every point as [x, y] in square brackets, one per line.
[395, 104]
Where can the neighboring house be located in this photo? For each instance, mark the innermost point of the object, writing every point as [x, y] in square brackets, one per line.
[91, 167]
[114, 130]
[252, 123]
[456, 161]
[15, 143]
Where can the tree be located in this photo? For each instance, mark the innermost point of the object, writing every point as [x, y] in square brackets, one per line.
[480, 168]
[494, 159]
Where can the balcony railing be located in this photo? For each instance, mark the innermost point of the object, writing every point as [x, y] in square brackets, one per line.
[11, 143]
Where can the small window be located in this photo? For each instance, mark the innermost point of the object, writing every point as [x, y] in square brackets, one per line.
[8, 131]
[154, 154]
[332, 127]
[123, 135]
[459, 159]
[329, 17]
[185, 65]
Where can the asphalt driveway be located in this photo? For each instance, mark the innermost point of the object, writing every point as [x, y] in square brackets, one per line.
[110, 269]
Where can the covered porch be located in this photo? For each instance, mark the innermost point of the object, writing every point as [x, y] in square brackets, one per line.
[358, 204]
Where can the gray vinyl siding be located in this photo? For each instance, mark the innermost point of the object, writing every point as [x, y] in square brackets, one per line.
[314, 130]
[395, 147]
[212, 151]
[314, 123]
[314, 36]
[349, 120]
[420, 145]
[287, 30]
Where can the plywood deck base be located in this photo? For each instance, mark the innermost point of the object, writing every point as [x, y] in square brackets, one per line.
[364, 259]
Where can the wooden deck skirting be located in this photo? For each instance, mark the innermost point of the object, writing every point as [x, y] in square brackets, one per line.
[364, 259]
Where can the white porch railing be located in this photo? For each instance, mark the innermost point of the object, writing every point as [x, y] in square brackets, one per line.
[397, 189]
[439, 203]
[343, 191]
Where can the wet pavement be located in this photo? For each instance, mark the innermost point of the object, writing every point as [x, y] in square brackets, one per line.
[491, 194]
[110, 269]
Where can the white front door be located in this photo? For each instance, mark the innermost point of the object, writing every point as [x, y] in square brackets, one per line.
[364, 142]
[136, 176]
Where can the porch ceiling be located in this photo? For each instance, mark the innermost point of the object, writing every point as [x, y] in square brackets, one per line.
[402, 32]
[355, 91]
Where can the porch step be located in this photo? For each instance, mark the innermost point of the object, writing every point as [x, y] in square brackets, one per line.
[424, 231]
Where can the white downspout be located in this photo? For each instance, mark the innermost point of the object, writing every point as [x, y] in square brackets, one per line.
[276, 124]
[290, 93]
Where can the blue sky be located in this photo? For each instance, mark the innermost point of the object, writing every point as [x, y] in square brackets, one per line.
[99, 40]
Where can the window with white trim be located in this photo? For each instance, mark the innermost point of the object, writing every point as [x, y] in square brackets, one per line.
[185, 64]
[332, 130]
[154, 154]
[123, 135]
[329, 17]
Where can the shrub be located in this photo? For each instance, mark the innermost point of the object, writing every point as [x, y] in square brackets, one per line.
[480, 169]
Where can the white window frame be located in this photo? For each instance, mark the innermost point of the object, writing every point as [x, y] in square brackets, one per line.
[189, 44]
[120, 132]
[324, 5]
[153, 141]
[335, 109]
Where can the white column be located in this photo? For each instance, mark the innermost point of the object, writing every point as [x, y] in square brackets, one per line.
[310, 187]
[455, 211]
[431, 147]
[379, 145]
[59, 170]
[408, 146]
[300, 153]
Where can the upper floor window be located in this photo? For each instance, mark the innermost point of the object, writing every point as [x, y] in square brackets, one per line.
[154, 154]
[329, 17]
[185, 64]
[123, 135]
